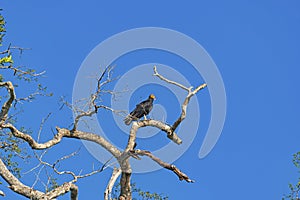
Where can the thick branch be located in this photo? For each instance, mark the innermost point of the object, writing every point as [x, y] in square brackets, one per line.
[116, 173]
[168, 166]
[16, 185]
[7, 105]
[20, 188]
[61, 132]
[125, 186]
[74, 192]
[63, 189]
[162, 126]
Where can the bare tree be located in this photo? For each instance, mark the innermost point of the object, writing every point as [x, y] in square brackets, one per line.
[93, 105]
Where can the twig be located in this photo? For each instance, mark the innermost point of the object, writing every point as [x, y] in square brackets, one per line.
[169, 81]
[91, 103]
[19, 72]
[42, 125]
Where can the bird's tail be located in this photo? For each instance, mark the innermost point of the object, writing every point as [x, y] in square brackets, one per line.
[128, 120]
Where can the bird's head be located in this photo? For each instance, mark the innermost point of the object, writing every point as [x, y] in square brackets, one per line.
[152, 96]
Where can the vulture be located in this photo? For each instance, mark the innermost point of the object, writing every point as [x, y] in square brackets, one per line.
[141, 109]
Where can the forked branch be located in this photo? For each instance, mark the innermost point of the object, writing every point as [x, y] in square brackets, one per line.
[186, 101]
[168, 166]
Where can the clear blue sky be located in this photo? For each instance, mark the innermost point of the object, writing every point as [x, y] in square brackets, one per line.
[255, 45]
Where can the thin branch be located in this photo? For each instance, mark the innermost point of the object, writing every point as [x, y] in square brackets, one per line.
[8, 50]
[75, 176]
[168, 166]
[37, 177]
[169, 81]
[42, 125]
[93, 107]
[31, 97]
[116, 173]
[191, 93]
[117, 112]
[62, 189]
[185, 104]
[39, 164]
[20, 73]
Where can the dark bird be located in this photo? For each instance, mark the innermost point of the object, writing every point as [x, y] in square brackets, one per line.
[141, 109]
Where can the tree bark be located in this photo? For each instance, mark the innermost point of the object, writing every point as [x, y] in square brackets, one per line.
[125, 186]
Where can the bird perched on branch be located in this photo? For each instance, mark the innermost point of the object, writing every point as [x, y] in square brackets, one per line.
[141, 109]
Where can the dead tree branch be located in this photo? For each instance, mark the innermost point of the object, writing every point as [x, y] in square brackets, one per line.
[162, 126]
[62, 189]
[92, 104]
[7, 105]
[185, 104]
[16, 185]
[10, 48]
[116, 173]
[191, 93]
[42, 125]
[18, 71]
[61, 132]
[75, 176]
[168, 166]
[169, 81]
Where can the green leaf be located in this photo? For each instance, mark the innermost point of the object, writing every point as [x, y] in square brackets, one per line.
[6, 59]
